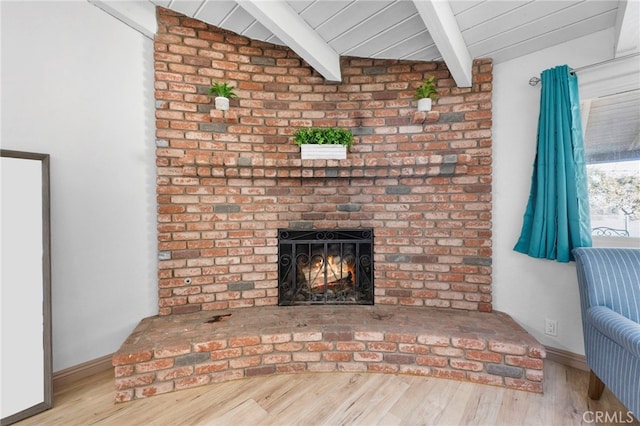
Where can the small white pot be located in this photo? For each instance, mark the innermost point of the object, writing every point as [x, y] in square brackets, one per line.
[222, 103]
[424, 104]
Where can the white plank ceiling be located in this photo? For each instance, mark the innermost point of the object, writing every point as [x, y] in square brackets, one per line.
[455, 31]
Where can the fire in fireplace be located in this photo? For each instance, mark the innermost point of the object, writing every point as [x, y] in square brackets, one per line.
[326, 266]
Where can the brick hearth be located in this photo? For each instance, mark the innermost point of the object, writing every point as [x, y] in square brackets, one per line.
[168, 353]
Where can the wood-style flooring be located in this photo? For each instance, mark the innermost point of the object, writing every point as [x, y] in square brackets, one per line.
[340, 399]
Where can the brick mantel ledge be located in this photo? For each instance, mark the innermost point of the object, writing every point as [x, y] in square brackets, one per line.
[406, 166]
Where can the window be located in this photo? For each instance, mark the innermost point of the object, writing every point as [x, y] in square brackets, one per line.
[612, 146]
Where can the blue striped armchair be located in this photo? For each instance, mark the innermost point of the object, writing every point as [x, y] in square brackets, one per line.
[609, 283]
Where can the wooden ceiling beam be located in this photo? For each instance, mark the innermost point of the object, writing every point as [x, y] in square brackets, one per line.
[445, 32]
[285, 23]
[141, 16]
[627, 39]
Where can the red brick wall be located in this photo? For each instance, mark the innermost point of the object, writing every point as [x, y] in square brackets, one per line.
[227, 181]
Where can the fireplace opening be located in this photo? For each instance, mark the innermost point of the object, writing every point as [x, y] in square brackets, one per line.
[326, 266]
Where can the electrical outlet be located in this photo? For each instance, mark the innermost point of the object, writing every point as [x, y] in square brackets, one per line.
[550, 327]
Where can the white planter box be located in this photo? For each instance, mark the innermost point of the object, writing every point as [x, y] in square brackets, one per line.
[323, 152]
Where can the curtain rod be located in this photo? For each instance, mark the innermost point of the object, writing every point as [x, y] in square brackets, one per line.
[535, 80]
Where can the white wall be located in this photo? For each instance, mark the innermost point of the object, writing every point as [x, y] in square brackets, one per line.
[78, 84]
[528, 289]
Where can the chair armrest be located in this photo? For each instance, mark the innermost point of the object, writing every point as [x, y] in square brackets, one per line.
[618, 328]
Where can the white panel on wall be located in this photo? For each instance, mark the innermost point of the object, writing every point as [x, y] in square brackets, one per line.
[25, 311]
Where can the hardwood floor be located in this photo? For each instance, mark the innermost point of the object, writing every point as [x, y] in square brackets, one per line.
[340, 398]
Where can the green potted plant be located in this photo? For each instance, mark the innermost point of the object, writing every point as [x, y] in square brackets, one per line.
[426, 93]
[323, 143]
[223, 92]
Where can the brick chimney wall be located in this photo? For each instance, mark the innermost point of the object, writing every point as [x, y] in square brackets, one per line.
[227, 181]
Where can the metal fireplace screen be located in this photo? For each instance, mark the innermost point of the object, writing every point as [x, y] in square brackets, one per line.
[325, 266]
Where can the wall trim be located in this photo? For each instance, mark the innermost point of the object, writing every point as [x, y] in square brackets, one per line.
[72, 374]
[567, 358]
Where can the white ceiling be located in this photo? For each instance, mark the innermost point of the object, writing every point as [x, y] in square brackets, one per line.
[321, 31]
[455, 31]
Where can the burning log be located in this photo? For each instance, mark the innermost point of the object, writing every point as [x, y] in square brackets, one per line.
[337, 271]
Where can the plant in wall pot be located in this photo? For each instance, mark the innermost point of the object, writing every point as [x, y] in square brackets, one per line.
[426, 93]
[323, 143]
[223, 92]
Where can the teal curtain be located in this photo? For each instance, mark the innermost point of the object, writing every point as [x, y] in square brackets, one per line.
[557, 216]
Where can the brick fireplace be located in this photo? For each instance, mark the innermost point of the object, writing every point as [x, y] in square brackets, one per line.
[228, 183]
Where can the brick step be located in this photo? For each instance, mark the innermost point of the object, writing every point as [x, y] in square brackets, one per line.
[169, 353]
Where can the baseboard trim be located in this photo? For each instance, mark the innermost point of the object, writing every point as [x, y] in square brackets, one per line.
[80, 371]
[567, 358]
